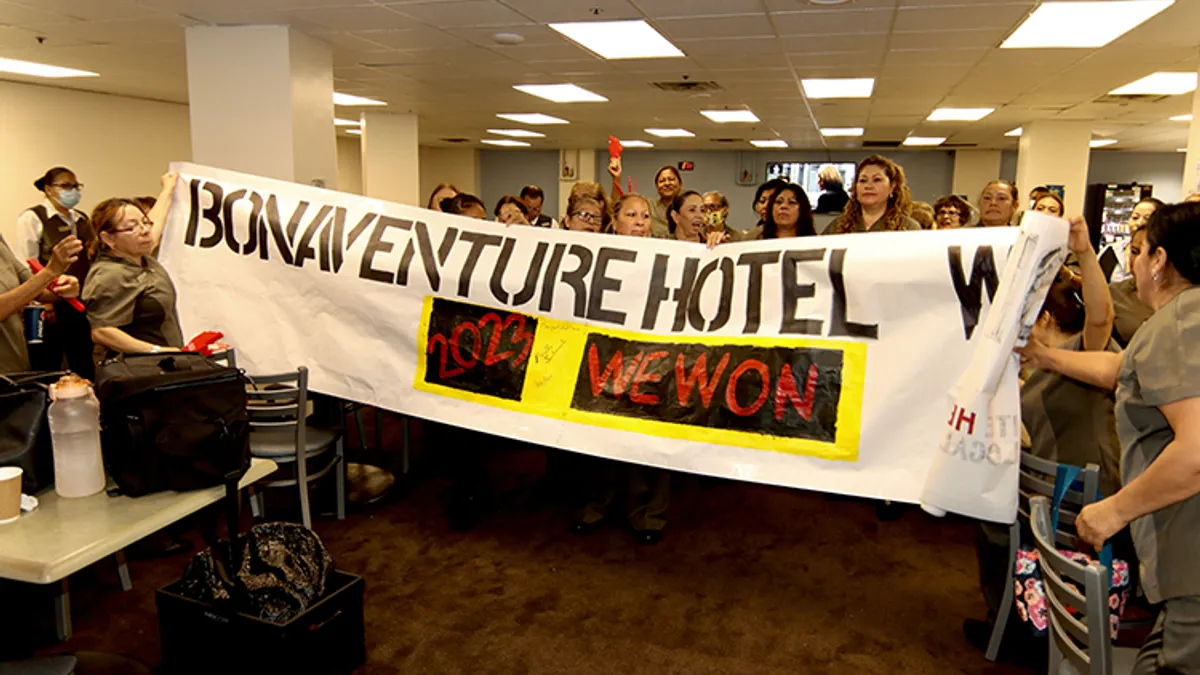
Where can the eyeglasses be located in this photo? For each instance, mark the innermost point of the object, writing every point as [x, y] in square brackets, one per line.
[950, 212]
[589, 218]
[67, 186]
[146, 224]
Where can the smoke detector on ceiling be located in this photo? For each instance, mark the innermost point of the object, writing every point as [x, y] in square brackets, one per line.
[508, 38]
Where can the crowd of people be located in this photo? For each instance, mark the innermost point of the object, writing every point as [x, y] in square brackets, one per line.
[1112, 370]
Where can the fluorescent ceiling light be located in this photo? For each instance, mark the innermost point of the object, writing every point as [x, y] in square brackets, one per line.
[924, 140]
[352, 100]
[619, 39]
[1101, 142]
[531, 118]
[1181, 118]
[777, 143]
[356, 132]
[1161, 84]
[41, 70]
[561, 93]
[726, 116]
[838, 87]
[1180, 149]
[339, 122]
[670, 133]
[842, 131]
[516, 133]
[505, 142]
[637, 144]
[1081, 24]
[1015, 133]
[959, 114]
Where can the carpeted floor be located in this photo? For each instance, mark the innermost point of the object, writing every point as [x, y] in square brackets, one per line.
[750, 579]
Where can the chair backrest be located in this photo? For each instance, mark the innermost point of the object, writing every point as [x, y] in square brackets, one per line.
[1080, 636]
[1037, 480]
[279, 401]
[227, 357]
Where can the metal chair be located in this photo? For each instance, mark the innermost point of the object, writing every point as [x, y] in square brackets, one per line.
[1079, 639]
[1037, 479]
[278, 408]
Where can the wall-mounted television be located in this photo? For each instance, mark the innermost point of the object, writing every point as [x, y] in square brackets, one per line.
[804, 174]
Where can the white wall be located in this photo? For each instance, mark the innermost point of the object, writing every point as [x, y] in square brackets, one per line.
[505, 172]
[456, 166]
[117, 146]
[1162, 170]
[349, 162]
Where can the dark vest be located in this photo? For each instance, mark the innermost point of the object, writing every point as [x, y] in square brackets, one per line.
[54, 231]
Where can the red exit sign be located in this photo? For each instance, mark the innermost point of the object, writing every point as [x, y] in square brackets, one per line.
[687, 166]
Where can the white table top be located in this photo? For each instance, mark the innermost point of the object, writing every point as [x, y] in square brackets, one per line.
[62, 536]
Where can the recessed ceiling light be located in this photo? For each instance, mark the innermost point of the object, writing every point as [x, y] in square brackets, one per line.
[924, 140]
[838, 87]
[619, 39]
[531, 118]
[1180, 149]
[670, 133]
[41, 70]
[339, 122]
[959, 114]
[352, 100]
[505, 142]
[561, 93]
[1101, 142]
[1081, 24]
[842, 131]
[356, 132]
[1161, 84]
[637, 144]
[726, 116]
[1015, 133]
[516, 133]
[776, 143]
[1181, 118]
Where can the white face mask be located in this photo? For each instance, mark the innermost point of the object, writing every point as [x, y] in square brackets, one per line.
[69, 198]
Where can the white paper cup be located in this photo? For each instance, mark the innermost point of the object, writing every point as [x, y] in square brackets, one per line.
[10, 493]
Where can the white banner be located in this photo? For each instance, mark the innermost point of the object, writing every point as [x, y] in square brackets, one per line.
[820, 362]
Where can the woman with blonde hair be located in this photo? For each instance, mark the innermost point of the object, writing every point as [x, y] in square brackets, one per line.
[833, 193]
[879, 202]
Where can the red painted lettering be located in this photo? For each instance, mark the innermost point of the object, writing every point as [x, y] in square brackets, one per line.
[964, 417]
[642, 376]
[731, 388]
[786, 393]
[620, 375]
[456, 347]
[684, 382]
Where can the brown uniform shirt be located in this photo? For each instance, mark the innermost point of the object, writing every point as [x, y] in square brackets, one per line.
[137, 297]
[14, 355]
[1131, 313]
[1161, 366]
[1072, 422]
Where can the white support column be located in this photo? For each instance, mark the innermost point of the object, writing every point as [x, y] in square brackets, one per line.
[260, 101]
[1055, 152]
[574, 166]
[1191, 165]
[973, 169]
[391, 164]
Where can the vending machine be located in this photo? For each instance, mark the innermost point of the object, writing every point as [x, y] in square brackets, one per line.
[1107, 208]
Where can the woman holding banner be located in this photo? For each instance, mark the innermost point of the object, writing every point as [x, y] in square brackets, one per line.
[1157, 383]
[880, 202]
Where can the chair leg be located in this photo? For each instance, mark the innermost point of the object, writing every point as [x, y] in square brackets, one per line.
[255, 510]
[123, 571]
[302, 485]
[1006, 601]
[62, 610]
[340, 478]
[260, 501]
[362, 429]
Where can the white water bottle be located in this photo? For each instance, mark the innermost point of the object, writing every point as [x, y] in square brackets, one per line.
[75, 434]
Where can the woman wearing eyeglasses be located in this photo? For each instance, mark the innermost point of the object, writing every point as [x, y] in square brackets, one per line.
[39, 229]
[130, 296]
[584, 214]
[951, 212]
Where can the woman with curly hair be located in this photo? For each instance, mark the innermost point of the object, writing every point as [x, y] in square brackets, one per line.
[880, 201]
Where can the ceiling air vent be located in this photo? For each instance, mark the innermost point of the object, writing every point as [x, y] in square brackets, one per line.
[689, 87]
[1123, 99]
[455, 140]
[726, 140]
[881, 144]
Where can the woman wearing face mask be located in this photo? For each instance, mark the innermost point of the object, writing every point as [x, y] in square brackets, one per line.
[997, 204]
[790, 214]
[647, 490]
[668, 183]
[1050, 204]
[880, 202]
[39, 229]
[1157, 385]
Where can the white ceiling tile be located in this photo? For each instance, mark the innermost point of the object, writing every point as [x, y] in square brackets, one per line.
[966, 38]
[410, 38]
[354, 18]
[815, 44]
[834, 22]
[746, 25]
[973, 14]
[733, 46]
[697, 8]
[459, 13]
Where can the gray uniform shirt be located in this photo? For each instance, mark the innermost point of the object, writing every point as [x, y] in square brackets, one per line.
[137, 297]
[1131, 312]
[1072, 422]
[660, 227]
[14, 355]
[1161, 366]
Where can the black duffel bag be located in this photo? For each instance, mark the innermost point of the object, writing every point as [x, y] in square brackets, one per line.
[172, 421]
[24, 429]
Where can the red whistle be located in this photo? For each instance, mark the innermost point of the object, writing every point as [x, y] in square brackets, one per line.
[614, 147]
[202, 343]
[74, 302]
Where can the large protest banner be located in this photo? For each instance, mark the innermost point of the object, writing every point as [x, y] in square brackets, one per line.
[821, 362]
